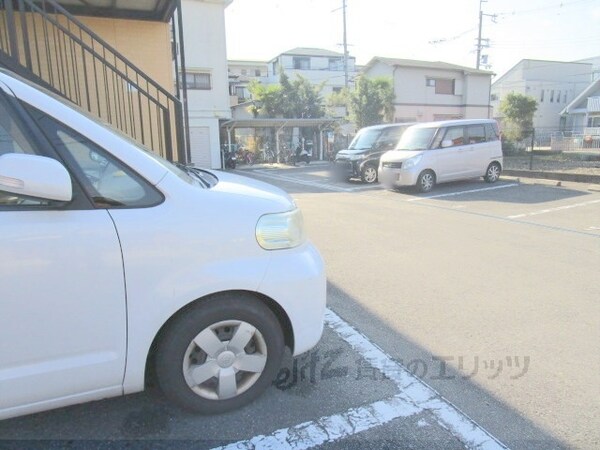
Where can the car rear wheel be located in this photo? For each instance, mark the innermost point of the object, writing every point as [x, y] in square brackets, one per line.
[426, 181]
[219, 354]
[369, 174]
[492, 174]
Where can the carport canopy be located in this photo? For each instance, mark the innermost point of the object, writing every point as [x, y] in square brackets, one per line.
[279, 124]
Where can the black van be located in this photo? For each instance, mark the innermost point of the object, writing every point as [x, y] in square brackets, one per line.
[361, 158]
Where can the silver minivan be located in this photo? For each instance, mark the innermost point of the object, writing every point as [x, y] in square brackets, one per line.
[438, 152]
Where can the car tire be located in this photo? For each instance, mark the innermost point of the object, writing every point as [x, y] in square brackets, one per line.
[368, 174]
[220, 353]
[426, 181]
[492, 174]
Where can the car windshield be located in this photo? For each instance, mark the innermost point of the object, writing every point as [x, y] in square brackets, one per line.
[416, 139]
[188, 174]
[364, 139]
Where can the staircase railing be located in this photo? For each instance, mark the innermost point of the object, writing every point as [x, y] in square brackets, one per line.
[44, 42]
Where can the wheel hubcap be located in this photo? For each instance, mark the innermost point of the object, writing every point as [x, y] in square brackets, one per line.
[224, 360]
[370, 175]
[493, 173]
[427, 182]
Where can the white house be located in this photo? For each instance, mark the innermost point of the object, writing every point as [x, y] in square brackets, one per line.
[428, 91]
[553, 84]
[206, 77]
[595, 62]
[582, 115]
[240, 75]
[317, 66]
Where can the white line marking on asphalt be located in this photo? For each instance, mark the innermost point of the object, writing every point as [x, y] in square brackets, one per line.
[550, 210]
[303, 182]
[452, 194]
[414, 397]
[330, 187]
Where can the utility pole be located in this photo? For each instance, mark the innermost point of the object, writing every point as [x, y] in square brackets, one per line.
[345, 46]
[479, 38]
[479, 35]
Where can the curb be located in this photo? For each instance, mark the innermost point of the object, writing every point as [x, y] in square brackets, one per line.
[559, 176]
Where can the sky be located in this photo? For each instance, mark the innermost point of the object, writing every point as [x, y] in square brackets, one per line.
[427, 30]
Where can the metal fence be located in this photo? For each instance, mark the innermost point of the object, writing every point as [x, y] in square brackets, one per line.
[44, 42]
[570, 141]
[558, 141]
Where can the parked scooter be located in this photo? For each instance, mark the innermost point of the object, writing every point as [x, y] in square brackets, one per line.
[301, 154]
[230, 158]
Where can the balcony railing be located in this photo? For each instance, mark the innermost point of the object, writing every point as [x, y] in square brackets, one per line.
[45, 43]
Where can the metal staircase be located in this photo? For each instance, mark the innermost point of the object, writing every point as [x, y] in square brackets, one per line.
[42, 41]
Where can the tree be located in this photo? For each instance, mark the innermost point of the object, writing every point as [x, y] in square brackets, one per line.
[337, 100]
[372, 101]
[518, 110]
[267, 99]
[308, 102]
[289, 99]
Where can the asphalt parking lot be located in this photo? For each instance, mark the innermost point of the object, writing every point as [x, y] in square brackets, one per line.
[464, 318]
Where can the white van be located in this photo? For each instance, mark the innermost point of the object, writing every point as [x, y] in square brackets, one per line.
[114, 264]
[438, 152]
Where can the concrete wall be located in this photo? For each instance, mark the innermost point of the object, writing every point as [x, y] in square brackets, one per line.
[146, 44]
[205, 52]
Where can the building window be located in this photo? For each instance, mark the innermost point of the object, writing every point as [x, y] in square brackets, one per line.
[442, 85]
[542, 96]
[244, 72]
[336, 64]
[493, 97]
[552, 96]
[301, 63]
[200, 81]
[257, 73]
[241, 93]
[557, 96]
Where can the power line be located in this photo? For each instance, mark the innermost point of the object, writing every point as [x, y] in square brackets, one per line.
[543, 8]
[450, 39]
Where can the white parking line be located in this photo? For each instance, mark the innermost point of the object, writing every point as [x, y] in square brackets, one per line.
[452, 194]
[550, 210]
[327, 186]
[414, 397]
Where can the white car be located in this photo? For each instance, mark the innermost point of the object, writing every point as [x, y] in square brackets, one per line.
[114, 263]
[439, 152]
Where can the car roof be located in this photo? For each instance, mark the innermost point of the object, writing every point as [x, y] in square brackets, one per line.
[389, 125]
[457, 122]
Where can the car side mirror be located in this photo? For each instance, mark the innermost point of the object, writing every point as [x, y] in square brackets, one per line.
[35, 176]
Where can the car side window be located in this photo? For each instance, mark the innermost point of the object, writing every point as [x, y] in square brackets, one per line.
[391, 136]
[456, 135]
[491, 132]
[476, 134]
[107, 181]
[13, 140]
